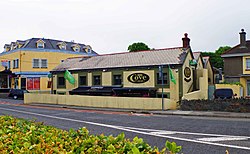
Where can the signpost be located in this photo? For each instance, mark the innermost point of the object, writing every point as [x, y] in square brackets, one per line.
[161, 77]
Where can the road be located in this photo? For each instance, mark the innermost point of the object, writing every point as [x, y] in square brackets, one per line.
[194, 134]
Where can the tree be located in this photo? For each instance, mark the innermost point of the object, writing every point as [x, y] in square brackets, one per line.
[215, 57]
[138, 47]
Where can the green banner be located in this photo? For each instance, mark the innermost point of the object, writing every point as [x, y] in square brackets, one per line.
[68, 76]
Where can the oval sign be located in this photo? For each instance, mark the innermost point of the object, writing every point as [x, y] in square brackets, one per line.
[138, 78]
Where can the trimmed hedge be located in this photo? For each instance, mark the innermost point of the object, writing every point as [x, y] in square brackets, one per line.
[228, 105]
[22, 136]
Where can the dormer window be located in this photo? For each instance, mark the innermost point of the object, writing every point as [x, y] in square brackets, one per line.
[88, 49]
[62, 45]
[76, 47]
[6, 47]
[40, 44]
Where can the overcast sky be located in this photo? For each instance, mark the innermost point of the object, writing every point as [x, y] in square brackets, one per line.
[111, 25]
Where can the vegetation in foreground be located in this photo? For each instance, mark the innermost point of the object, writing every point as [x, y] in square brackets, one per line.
[22, 136]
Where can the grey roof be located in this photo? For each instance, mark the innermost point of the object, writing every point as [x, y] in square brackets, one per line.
[196, 55]
[128, 59]
[238, 50]
[50, 44]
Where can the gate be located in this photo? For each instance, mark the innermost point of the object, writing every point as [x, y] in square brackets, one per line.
[211, 89]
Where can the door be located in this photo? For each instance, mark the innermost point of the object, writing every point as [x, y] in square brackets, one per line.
[16, 83]
[23, 83]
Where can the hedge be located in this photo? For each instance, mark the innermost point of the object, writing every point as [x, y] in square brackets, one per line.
[228, 105]
[22, 136]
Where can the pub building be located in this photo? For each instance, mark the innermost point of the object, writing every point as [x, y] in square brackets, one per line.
[133, 70]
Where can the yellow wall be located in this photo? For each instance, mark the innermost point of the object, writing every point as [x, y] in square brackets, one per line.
[210, 73]
[202, 93]
[107, 78]
[101, 101]
[26, 63]
[174, 88]
[149, 83]
[187, 85]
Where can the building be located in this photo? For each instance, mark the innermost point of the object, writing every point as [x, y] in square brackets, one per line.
[117, 70]
[237, 64]
[30, 61]
[204, 62]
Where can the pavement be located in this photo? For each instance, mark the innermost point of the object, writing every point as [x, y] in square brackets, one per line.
[158, 112]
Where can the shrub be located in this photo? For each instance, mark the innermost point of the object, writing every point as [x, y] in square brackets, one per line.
[229, 105]
[21, 136]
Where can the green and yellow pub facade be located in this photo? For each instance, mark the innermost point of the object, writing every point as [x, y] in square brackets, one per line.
[142, 69]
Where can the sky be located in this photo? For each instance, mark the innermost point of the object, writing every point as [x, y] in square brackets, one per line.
[110, 26]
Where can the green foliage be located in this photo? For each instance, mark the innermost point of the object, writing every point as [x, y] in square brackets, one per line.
[215, 57]
[21, 136]
[138, 47]
[232, 83]
[172, 147]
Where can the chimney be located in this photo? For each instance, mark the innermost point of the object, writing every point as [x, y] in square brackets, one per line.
[186, 41]
[242, 38]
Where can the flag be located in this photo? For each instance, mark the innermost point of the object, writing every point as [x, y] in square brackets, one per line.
[68, 76]
[171, 75]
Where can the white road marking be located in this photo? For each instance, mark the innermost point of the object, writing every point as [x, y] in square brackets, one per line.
[218, 139]
[130, 130]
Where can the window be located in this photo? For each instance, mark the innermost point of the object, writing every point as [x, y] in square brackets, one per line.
[61, 82]
[96, 80]
[63, 47]
[36, 63]
[44, 63]
[33, 83]
[40, 45]
[82, 81]
[248, 63]
[17, 63]
[8, 65]
[117, 79]
[77, 49]
[13, 63]
[165, 78]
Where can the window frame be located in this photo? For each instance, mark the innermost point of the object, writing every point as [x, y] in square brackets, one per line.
[46, 60]
[40, 45]
[114, 80]
[93, 80]
[165, 80]
[58, 81]
[33, 63]
[79, 79]
[248, 63]
[13, 64]
[17, 63]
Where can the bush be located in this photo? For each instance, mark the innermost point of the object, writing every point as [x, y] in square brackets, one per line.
[229, 105]
[21, 136]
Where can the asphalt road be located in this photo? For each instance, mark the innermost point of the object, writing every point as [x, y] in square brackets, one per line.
[197, 135]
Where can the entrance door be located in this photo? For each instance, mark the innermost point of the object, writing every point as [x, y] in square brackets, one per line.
[248, 87]
[16, 83]
[23, 83]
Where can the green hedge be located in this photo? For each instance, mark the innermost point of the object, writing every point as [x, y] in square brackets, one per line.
[228, 105]
[22, 136]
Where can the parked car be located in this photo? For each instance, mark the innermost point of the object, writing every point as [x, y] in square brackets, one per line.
[17, 93]
[224, 93]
